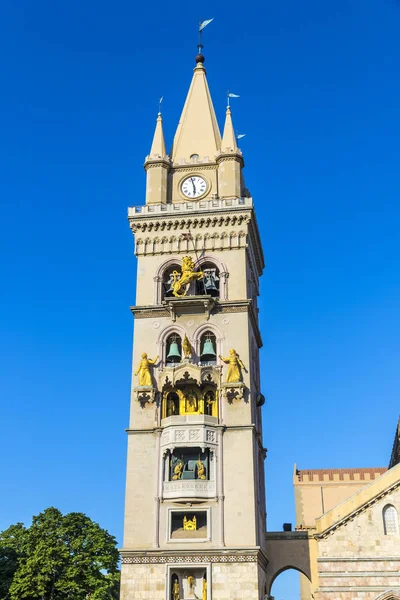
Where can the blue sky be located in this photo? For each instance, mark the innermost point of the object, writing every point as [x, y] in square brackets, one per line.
[320, 97]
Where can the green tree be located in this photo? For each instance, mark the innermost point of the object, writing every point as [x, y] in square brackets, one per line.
[11, 549]
[65, 557]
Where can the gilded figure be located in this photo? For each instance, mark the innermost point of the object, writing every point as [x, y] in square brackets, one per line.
[234, 374]
[144, 370]
[175, 590]
[182, 280]
[204, 594]
[187, 348]
[192, 405]
[192, 584]
[201, 470]
[178, 468]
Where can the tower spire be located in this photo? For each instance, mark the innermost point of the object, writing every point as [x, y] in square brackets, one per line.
[197, 132]
[158, 146]
[229, 139]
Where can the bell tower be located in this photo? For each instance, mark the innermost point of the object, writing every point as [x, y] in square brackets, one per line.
[195, 516]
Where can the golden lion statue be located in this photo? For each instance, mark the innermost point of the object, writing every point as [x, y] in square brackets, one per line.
[182, 280]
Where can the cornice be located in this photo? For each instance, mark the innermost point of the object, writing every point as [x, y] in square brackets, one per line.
[152, 164]
[232, 157]
[195, 167]
[225, 555]
[189, 221]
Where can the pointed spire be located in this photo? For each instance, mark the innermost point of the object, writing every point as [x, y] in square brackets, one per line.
[197, 131]
[229, 139]
[158, 146]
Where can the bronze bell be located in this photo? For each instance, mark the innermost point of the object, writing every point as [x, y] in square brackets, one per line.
[208, 353]
[174, 355]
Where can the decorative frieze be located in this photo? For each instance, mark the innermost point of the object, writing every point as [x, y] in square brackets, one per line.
[183, 558]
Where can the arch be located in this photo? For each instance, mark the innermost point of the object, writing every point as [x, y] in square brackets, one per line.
[287, 553]
[198, 333]
[287, 568]
[390, 520]
[163, 337]
[174, 261]
[222, 272]
[389, 595]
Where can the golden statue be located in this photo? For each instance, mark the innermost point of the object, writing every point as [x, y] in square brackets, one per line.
[234, 374]
[144, 370]
[187, 348]
[201, 470]
[191, 402]
[175, 590]
[204, 595]
[180, 284]
[192, 584]
[178, 471]
[189, 525]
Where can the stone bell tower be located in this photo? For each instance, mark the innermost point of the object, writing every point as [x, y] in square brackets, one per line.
[195, 496]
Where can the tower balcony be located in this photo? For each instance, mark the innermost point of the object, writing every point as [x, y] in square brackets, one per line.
[189, 489]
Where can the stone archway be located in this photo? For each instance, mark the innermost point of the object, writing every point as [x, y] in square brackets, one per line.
[287, 550]
[389, 595]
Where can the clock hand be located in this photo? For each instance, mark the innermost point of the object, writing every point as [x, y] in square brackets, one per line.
[194, 187]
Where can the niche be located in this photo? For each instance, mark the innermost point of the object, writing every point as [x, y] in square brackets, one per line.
[189, 463]
[189, 525]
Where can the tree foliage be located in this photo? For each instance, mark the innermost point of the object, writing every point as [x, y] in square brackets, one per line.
[59, 557]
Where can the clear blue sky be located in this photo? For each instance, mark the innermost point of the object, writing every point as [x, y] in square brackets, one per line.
[320, 97]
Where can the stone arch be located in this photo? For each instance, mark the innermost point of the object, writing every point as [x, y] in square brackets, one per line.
[159, 276]
[223, 273]
[389, 595]
[287, 551]
[287, 568]
[198, 332]
[162, 339]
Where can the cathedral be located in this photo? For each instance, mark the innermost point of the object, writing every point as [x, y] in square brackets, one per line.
[195, 511]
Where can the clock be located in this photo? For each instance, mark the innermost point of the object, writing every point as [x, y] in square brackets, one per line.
[194, 186]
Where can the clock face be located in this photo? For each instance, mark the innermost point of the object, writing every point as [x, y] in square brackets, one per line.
[194, 186]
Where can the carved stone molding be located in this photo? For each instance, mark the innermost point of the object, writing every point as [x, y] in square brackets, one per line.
[145, 394]
[233, 391]
[182, 558]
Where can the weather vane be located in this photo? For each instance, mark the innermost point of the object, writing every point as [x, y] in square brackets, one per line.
[230, 95]
[159, 104]
[202, 24]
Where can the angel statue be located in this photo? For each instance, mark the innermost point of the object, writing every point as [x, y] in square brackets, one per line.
[182, 280]
[234, 374]
[144, 370]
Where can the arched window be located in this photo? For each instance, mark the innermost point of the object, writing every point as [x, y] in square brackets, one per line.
[208, 349]
[390, 520]
[173, 349]
[168, 280]
[210, 283]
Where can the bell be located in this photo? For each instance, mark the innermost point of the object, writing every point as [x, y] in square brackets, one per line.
[208, 352]
[210, 283]
[174, 355]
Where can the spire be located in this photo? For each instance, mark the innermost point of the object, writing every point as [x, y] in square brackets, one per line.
[158, 145]
[229, 139]
[197, 131]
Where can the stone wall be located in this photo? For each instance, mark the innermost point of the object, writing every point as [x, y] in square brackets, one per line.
[358, 561]
[237, 581]
[143, 582]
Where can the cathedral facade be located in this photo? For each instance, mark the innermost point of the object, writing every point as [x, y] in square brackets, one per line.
[195, 517]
